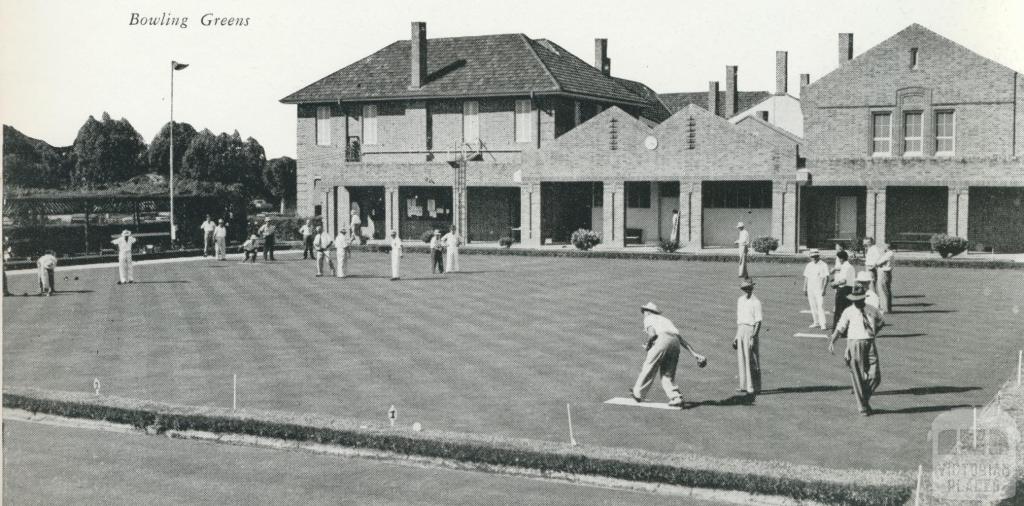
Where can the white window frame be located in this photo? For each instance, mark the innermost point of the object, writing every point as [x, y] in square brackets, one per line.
[875, 138]
[919, 138]
[524, 121]
[369, 124]
[470, 121]
[323, 125]
[951, 137]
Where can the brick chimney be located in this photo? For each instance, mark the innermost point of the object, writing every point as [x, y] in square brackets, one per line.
[731, 96]
[845, 47]
[601, 60]
[781, 72]
[713, 97]
[418, 55]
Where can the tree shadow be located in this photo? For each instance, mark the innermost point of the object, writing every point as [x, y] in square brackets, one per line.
[928, 390]
[920, 409]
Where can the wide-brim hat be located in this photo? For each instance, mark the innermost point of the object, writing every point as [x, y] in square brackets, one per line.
[814, 253]
[864, 277]
[126, 233]
[650, 307]
[747, 285]
[220, 220]
[858, 294]
[740, 225]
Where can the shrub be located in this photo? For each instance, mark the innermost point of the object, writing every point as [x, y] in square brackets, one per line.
[765, 245]
[506, 242]
[668, 246]
[585, 239]
[948, 245]
[427, 236]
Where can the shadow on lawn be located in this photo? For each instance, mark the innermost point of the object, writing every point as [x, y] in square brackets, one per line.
[170, 282]
[736, 400]
[928, 390]
[805, 390]
[924, 311]
[889, 336]
[908, 296]
[915, 304]
[920, 409]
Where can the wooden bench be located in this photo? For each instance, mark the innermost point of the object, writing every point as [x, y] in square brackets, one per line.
[634, 236]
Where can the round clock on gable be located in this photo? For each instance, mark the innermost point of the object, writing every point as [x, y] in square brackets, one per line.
[651, 142]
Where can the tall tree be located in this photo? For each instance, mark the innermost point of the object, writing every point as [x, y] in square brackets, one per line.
[158, 153]
[201, 158]
[107, 151]
[225, 159]
[279, 180]
[32, 163]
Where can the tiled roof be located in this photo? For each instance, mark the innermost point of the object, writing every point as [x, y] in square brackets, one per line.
[745, 100]
[654, 111]
[487, 65]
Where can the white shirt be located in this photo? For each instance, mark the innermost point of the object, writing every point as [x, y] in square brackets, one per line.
[220, 232]
[851, 322]
[816, 274]
[396, 246]
[306, 230]
[208, 226]
[847, 275]
[47, 262]
[744, 238]
[748, 311]
[322, 241]
[885, 260]
[872, 256]
[267, 229]
[342, 242]
[124, 244]
[356, 220]
[451, 240]
[435, 243]
[655, 324]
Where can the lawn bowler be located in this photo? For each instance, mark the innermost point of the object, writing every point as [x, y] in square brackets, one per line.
[47, 265]
[220, 238]
[860, 324]
[249, 247]
[743, 249]
[872, 255]
[124, 257]
[307, 232]
[7, 257]
[748, 329]
[663, 344]
[870, 297]
[844, 281]
[343, 248]
[452, 240]
[436, 253]
[815, 282]
[396, 254]
[207, 228]
[674, 235]
[322, 244]
[267, 232]
[884, 283]
[356, 223]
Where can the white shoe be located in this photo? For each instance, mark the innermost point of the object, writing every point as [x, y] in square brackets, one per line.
[811, 326]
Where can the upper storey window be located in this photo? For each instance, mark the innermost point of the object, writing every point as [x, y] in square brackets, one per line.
[323, 125]
[470, 121]
[912, 138]
[523, 113]
[944, 133]
[881, 133]
[370, 124]
[913, 58]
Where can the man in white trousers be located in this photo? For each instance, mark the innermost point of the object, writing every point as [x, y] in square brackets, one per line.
[343, 248]
[124, 257]
[47, 265]
[396, 254]
[451, 242]
[748, 328]
[663, 345]
[815, 283]
[743, 249]
[322, 245]
[207, 227]
[220, 238]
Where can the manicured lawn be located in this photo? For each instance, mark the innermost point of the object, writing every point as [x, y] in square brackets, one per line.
[92, 467]
[503, 347]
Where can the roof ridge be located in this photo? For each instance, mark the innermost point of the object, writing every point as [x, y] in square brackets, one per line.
[526, 40]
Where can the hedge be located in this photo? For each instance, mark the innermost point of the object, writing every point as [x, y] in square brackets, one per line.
[833, 486]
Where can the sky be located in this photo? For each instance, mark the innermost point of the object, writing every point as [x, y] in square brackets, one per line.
[65, 60]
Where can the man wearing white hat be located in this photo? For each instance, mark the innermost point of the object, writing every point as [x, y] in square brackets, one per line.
[396, 254]
[815, 282]
[322, 244]
[47, 265]
[743, 244]
[663, 344]
[451, 241]
[864, 280]
[343, 248]
[860, 324]
[220, 238]
[748, 329]
[124, 257]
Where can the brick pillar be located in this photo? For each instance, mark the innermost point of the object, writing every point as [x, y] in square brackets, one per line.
[391, 210]
[691, 205]
[529, 215]
[460, 206]
[778, 208]
[790, 238]
[343, 210]
[956, 217]
[614, 214]
[325, 206]
[874, 224]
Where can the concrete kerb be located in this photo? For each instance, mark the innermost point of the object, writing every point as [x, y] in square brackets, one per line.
[745, 482]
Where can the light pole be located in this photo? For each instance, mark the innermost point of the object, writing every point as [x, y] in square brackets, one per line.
[174, 66]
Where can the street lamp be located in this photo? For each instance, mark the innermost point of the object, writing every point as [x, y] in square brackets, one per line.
[174, 66]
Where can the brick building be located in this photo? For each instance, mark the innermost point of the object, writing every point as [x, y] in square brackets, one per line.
[918, 135]
[505, 135]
